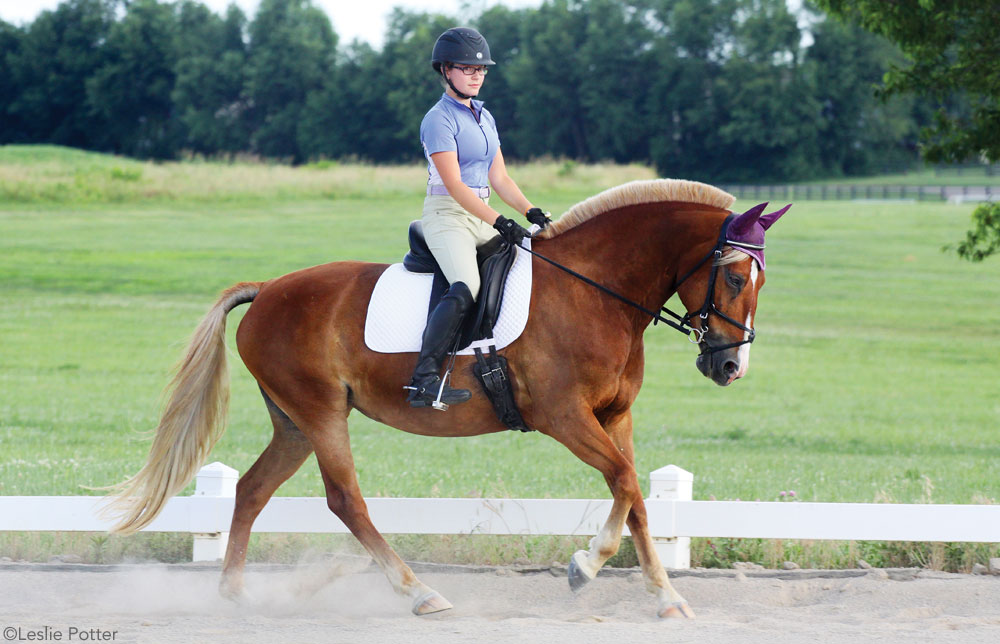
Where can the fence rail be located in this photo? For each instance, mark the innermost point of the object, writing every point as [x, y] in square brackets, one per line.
[863, 192]
[673, 517]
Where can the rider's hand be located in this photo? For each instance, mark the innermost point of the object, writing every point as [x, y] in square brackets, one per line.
[510, 230]
[539, 218]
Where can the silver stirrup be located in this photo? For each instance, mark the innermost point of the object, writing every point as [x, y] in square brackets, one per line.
[437, 404]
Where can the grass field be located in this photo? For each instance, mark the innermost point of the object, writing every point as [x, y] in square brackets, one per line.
[924, 177]
[874, 376]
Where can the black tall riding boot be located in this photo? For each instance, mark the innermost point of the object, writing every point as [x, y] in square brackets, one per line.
[439, 336]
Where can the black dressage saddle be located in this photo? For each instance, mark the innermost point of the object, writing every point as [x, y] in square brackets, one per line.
[495, 259]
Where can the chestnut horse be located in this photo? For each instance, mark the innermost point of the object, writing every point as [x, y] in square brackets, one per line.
[576, 371]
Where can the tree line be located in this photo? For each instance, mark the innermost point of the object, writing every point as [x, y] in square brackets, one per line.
[715, 90]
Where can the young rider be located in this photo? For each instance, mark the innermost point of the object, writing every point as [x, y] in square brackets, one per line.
[462, 147]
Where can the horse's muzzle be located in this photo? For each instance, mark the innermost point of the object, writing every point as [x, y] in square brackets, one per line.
[722, 367]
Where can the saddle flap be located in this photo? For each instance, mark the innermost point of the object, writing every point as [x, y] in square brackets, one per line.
[495, 258]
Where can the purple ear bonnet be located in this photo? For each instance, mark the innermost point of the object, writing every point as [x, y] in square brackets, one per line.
[746, 232]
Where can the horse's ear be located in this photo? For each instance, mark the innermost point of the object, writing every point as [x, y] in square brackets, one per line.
[744, 223]
[767, 220]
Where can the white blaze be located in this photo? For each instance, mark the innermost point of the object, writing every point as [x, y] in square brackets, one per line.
[743, 355]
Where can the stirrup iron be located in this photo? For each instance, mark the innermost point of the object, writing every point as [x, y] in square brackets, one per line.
[437, 404]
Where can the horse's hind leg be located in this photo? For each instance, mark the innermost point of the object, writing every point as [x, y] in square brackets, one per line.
[333, 451]
[282, 458]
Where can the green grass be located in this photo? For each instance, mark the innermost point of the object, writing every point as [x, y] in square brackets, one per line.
[873, 377]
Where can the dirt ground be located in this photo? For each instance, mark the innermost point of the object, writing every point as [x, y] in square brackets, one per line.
[179, 603]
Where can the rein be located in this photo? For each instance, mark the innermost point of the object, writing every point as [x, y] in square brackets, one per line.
[683, 323]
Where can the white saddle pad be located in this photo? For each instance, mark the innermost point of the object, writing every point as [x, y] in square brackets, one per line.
[397, 312]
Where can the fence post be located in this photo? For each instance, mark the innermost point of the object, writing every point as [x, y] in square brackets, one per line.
[218, 481]
[674, 484]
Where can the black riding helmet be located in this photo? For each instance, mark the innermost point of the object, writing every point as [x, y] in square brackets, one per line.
[463, 46]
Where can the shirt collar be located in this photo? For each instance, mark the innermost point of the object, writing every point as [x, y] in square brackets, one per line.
[477, 105]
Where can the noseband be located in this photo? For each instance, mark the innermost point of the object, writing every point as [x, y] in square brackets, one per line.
[683, 323]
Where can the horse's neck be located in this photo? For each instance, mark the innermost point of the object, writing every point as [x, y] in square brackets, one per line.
[640, 251]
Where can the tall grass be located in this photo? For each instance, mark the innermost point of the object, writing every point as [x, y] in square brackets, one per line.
[51, 174]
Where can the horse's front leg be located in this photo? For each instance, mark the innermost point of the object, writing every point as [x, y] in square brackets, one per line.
[585, 437]
[670, 602]
[585, 564]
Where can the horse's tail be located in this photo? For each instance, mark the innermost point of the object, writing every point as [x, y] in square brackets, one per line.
[193, 419]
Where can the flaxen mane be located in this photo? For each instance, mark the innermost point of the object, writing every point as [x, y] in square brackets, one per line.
[637, 192]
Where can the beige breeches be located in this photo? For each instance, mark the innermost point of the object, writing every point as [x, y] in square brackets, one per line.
[453, 234]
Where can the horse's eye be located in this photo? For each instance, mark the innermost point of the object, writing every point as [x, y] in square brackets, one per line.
[735, 280]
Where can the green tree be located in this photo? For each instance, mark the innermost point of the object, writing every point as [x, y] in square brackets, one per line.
[692, 42]
[769, 130]
[292, 52]
[546, 78]
[208, 94]
[48, 71]
[11, 127]
[858, 133]
[351, 117]
[953, 49]
[325, 126]
[131, 91]
[983, 239]
[615, 69]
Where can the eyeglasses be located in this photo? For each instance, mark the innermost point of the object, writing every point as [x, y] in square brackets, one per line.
[471, 70]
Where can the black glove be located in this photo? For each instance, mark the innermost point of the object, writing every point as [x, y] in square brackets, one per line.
[510, 230]
[539, 218]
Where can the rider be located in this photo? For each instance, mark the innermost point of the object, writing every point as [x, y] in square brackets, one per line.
[462, 147]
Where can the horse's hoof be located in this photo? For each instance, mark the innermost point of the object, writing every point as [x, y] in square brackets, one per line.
[431, 602]
[578, 577]
[677, 609]
[236, 595]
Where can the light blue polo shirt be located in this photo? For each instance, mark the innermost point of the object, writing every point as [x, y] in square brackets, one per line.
[449, 125]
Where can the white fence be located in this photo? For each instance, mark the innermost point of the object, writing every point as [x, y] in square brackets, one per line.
[673, 517]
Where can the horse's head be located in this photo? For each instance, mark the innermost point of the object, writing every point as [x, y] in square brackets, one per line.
[721, 295]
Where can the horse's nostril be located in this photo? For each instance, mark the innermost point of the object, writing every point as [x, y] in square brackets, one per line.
[730, 368]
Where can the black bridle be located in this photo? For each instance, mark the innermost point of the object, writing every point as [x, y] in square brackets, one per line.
[709, 304]
[683, 323]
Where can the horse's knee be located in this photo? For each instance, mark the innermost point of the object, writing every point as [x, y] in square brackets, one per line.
[341, 502]
[626, 483]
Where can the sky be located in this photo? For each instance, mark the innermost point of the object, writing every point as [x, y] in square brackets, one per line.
[363, 19]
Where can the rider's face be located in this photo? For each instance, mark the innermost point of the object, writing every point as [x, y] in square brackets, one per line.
[466, 84]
